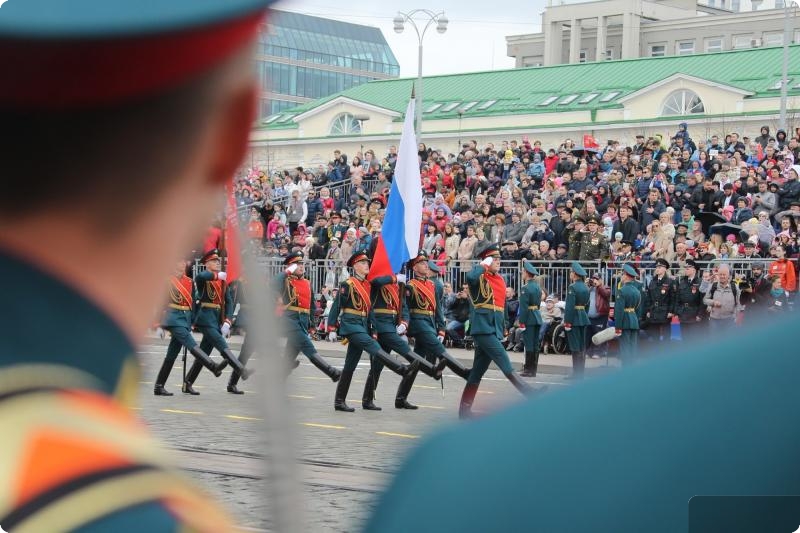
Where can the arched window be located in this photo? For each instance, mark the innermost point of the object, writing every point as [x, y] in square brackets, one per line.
[345, 124]
[682, 102]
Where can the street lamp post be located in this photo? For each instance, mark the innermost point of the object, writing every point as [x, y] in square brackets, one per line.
[787, 38]
[429, 17]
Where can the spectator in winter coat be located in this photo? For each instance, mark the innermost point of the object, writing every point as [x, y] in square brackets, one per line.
[764, 138]
[651, 208]
[626, 225]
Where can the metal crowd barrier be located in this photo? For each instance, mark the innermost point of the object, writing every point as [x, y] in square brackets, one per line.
[344, 187]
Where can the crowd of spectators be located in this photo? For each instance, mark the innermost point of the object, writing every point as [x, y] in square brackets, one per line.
[673, 197]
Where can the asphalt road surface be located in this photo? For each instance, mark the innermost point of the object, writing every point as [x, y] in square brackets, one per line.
[344, 459]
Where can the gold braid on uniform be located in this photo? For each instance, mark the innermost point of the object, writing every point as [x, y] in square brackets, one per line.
[357, 301]
[388, 296]
[484, 292]
[291, 292]
[419, 300]
[212, 292]
[175, 295]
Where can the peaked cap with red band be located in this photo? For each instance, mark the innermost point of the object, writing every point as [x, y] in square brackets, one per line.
[88, 53]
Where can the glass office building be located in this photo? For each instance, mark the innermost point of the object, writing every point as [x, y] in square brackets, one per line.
[302, 58]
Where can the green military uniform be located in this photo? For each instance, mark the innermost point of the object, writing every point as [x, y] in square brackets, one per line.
[177, 319]
[574, 241]
[351, 316]
[530, 299]
[298, 308]
[487, 325]
[689, 305]
[659, 448]
[216, 309]
[576, 319]
[594, 245]
[626, 319]
[388, 314]
[426, 321]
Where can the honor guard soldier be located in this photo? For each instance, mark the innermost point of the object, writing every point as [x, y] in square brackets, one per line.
[594, 245]
[576, 319]
[390, 320]
[487, 326]
[659, 301]
[214, 318]
[336, 230]
[352, 310]
[426, 318]
[298, 308]
[150, 103]
[689, 302]
[530, 298]
[240, 314]
[626, 317]
[178, 321]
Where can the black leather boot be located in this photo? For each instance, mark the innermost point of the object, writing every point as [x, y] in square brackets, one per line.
[433, 370]
[318, 361]
[577, 366]
[535, 362]
[392, 363]
[206, 361]
[339, 403]
[233, 389]
[467, 399]
[520, 385]
[191, 376]
[161, 379]
[403, 390]
[455, 366]
[368, 399]
[527, 370]
[159, 390]
[236, 364]
[187, 389]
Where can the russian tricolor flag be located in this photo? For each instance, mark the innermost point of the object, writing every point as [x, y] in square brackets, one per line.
[400, 236]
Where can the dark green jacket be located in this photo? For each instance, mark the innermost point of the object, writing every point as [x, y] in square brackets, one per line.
[689, 299]
[577, 296]
[484, 320]
[531, 296]
[349, 299]
[416, 300]
[628, 297]
[382, 301]
[207, 288]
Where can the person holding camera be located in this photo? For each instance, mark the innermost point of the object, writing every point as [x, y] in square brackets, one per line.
[458, 315]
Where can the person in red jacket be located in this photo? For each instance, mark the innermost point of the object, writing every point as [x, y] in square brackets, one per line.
[550, 162]
[783, 268]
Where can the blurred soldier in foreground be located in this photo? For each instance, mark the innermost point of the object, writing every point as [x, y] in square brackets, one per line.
[145, 108]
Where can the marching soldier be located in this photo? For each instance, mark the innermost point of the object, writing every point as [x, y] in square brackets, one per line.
[298, 305]
[629, 299]
[487, 325]
[660, 299]
[178, 321]
[530, 318]
[689, 302]
[426, 318]
[352, 310]
[576, 320]
[237, 289]
[390, 318]
[213, 319]
[594, 245]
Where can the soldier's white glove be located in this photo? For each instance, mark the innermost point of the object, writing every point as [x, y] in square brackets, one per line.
[226, 329]
[401, 328]
[160, 332]
[488, 261]
[441, 338]
[222, 276]
[401, 278]
[332, 337]
[291, 268]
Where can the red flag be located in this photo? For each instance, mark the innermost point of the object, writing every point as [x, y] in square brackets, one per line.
[590, 142]
[231, 230]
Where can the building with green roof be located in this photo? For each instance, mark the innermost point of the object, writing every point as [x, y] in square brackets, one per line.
[714, 93]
